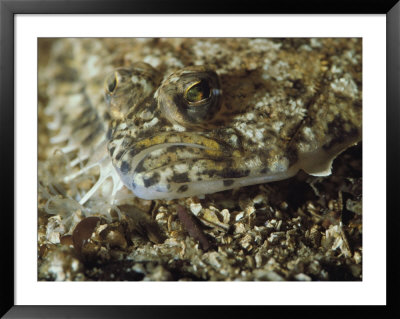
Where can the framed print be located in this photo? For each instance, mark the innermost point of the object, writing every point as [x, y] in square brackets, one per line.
[184, 159]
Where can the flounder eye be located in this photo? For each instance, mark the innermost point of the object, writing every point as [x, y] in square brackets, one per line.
[111, 83]
[191, 96]
[126, 88]
[198, 92]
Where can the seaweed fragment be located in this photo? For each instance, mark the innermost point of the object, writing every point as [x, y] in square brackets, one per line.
[192, 227]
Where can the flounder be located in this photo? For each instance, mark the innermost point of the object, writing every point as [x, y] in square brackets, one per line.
[173, 118]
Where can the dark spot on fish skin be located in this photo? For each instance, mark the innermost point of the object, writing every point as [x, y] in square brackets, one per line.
[180, 178]
[133, 185]
[151, 105]
[109, 133]
[210, 172]
[140, 167]
[143, 134]
[107, 116]
[111, 150]
[228, 182]
[133, 152]
[182, 189]
[151, 180]
[172, 149]
[118, 137]
[230, 173]
[119, 155]
[131, 115]
[125, 167]
[246, 172]
[161, 121]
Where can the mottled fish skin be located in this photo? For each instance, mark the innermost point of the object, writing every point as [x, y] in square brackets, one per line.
[249, 127]
[161, 155]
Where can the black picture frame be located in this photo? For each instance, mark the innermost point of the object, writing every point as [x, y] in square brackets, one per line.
[8, 10]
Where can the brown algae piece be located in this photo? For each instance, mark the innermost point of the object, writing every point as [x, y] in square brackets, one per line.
[83, 232]
[192, 226]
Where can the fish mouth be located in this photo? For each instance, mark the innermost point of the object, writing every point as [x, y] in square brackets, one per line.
[174, 165]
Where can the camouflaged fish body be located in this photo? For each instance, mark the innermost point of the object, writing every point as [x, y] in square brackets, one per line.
[193, 131]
